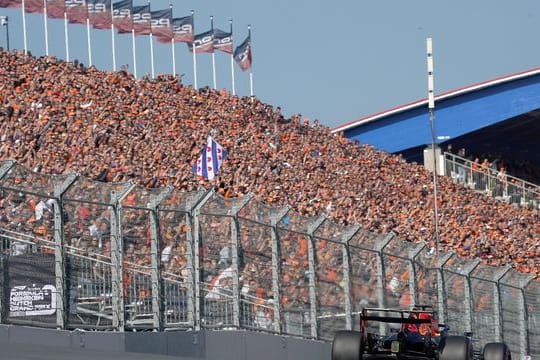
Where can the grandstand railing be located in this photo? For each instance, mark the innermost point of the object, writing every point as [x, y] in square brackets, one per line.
[76, 253]
[492, 182]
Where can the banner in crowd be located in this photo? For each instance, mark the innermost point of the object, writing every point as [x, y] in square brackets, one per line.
[211, 159]
[242, 54]
[223, 41]
[123, 16]
[162, 24]
[31, 300]
[202, 43]
[142, 20]
[99, 13]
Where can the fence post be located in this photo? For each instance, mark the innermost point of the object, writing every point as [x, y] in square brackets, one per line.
[497, 303]
[468, 301]
[117, 257]
[381, 274]
[6, 166]
[155, 260]
[196, 269]
[235, 229]
[441, 286]
[346, 258]
[59, 253]
[524, 342]
[312, 282]
[276, 269]
[413, 254]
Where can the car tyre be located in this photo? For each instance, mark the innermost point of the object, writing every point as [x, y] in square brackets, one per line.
[347, 345]
[455, 348]
[497, 351]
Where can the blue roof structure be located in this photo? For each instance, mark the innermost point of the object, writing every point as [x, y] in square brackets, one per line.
[498, 115]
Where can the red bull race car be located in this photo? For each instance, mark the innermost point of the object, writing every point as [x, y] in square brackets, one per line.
[414, 334]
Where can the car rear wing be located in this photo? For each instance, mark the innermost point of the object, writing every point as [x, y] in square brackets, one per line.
[396, 316]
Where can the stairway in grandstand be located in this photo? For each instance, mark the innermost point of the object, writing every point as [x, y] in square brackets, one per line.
[493, 183]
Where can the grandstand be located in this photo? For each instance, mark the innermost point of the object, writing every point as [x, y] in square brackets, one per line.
[300, 228]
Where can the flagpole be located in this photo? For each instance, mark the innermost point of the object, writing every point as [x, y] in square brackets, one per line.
[194, 54]
[152, 55]
[88, 39]
[250, 69]
[173, 56]
[46, 27]
[431, 108]
[113, 43]
[134, 51]
[151, 49]
[24, 27]
[66, 34]
[213, 55]
[232, 62]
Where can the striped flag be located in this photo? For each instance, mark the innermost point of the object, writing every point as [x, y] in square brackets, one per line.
[211, 159]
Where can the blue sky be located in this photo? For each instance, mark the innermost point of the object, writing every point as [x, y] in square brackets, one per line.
[333, 61]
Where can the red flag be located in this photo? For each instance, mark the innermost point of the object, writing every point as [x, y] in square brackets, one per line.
[123, 16]
[142, 20]
[76, 11]
[10, 3]
[99, 12]
[161, 24]
[33, 6]
[55, 9]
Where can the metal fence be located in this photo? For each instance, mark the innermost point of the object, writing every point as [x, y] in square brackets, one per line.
[118, 256]
[492, 182]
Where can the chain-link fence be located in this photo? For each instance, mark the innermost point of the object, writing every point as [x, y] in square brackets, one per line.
[77, 253]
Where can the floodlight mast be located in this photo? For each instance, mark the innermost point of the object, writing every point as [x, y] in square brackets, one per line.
[431, 107]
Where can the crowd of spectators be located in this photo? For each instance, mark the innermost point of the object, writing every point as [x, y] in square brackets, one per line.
[61, 118]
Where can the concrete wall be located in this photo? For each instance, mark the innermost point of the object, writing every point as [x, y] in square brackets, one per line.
[187, 345]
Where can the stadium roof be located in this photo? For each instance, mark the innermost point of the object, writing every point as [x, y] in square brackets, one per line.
[443, 96]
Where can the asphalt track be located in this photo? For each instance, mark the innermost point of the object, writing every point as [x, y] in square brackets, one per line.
[15, 351]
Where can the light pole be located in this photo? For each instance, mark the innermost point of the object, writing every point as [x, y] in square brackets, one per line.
[4, 20]
[431, 107]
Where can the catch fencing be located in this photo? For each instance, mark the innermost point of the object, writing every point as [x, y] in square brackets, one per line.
[121, 257]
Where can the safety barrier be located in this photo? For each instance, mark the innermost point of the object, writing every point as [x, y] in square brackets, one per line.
[78, 253]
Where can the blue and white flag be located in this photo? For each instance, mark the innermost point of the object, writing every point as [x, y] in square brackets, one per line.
[211, 159]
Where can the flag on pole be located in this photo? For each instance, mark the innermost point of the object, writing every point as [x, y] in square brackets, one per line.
[223, 41]
[55, 9]
[242, 54]
[162, 25]
[123, 16]
[76, 11]
[10, 3]
[99, 12]
[182, 29]
[142, 20]
[211, 159]
[33, 6]
[202, 43]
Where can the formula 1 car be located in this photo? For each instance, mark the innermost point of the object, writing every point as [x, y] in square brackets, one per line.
[416, 335]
